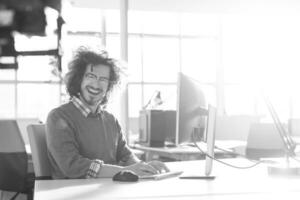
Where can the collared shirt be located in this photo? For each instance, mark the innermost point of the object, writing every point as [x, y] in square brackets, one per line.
[79, 143]
[86, 111]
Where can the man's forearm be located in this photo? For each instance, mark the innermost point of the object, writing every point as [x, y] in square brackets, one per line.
[108, 171]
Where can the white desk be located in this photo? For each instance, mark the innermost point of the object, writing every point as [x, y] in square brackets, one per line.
[230, 183]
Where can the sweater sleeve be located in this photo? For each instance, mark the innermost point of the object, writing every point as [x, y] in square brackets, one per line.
[124, 154]
[64, 149]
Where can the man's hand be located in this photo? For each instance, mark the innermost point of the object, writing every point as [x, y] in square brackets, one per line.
[142, 168]
[159, 166]
[153, 167]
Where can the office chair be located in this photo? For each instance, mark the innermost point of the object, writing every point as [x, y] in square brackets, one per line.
[14, 176]
[23, 123]
[37, 140]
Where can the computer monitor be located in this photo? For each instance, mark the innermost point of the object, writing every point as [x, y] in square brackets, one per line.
[191, 108]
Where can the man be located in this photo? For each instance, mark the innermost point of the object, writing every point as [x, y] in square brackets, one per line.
[84, 140]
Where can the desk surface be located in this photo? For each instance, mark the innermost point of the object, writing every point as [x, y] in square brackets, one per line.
[230, 183]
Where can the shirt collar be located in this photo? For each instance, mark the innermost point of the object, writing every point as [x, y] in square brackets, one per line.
[86, 111]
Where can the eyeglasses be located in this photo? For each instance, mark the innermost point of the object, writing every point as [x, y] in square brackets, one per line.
[93, 77]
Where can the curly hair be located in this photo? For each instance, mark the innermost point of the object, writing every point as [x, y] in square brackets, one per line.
[77, 67]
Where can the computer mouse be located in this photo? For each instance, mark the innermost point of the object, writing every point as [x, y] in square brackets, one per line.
[126, 176]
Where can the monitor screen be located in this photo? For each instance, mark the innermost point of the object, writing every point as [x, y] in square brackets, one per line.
[190, 110]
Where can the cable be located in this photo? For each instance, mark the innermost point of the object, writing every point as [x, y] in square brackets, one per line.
[234, 153]
[230, 165]
[224, 163]
[243, 156]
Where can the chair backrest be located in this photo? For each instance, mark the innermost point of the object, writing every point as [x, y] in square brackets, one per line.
[13, 157]
[23, 123]
[37, 140]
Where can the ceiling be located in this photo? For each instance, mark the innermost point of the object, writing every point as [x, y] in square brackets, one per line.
[202, 6]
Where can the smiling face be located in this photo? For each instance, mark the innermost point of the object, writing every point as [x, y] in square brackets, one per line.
[94, 85]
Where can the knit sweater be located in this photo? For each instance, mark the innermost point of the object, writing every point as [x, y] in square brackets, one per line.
[75, 141]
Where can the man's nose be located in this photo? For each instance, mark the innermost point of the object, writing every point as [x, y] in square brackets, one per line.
[96, 84]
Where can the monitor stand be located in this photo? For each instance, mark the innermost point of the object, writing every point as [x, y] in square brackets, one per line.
[207, 177]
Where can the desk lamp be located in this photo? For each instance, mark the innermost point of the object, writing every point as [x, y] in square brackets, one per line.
[288, 143]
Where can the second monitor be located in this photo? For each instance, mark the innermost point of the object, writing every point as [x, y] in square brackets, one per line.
[191, 110]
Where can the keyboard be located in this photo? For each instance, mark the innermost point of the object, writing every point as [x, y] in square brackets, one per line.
[163, 175]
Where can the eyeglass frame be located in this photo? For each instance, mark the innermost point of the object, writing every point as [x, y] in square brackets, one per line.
[93, 77]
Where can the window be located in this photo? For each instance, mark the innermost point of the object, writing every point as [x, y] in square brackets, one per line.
[160, 59]
[41, 97]
[199, 58]
[30, 66]
[238, 55]
[160, 45]
[260, 54]
[7, 105]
